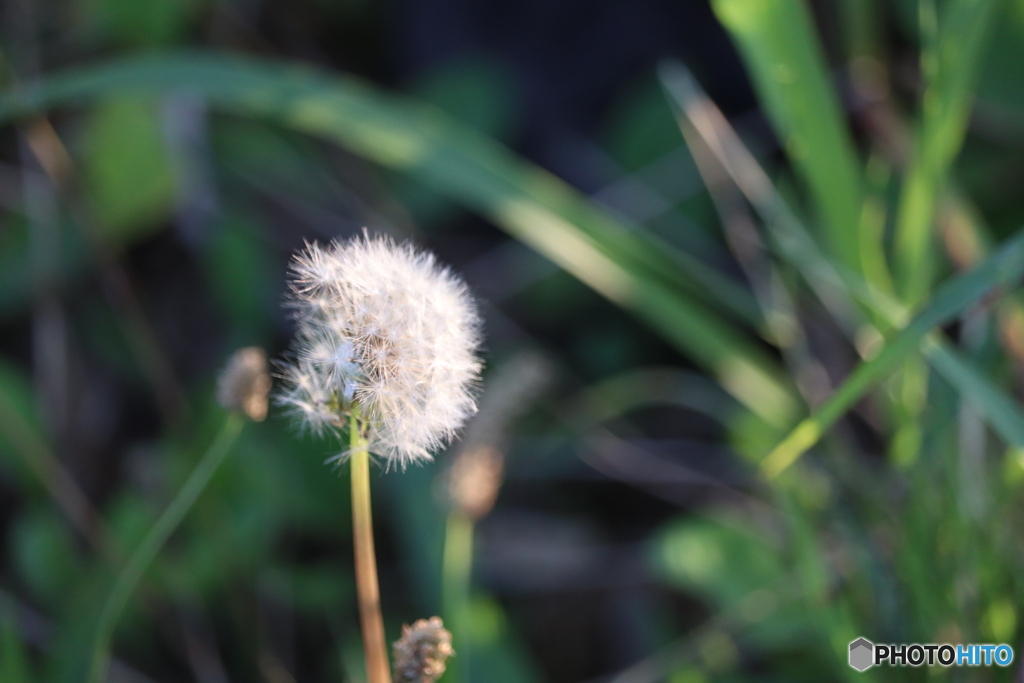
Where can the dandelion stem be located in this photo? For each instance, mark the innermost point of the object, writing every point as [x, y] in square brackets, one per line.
[154, 541]
[378, 670]
[457, 577]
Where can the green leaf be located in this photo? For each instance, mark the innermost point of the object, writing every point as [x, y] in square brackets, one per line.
[950, 72]
[127, 168]
[1004, 268]
[530, 204]
[777, 42]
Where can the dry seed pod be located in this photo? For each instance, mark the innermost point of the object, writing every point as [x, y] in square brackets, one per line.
[244, 383]
[421, 654]
[474, 480]
[476, 472]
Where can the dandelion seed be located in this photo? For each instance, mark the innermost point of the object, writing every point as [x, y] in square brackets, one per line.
[422, 653]
[385, 331]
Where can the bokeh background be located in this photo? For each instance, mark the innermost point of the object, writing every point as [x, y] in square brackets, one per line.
[144, 238]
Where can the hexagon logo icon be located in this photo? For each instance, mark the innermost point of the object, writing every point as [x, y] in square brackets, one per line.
[862, 654]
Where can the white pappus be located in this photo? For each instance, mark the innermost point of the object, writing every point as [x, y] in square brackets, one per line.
[383, 329]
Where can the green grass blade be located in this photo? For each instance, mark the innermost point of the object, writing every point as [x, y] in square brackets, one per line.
[1002, 412]
[529, 203]
[154, 541]
[396, 132]
[787, 235]
[950, 73]
[1003, 268]
[777, 42]
[837, 287]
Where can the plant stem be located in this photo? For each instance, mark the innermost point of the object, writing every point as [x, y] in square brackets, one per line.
[457, 580]
[378, 669]
[154, 541]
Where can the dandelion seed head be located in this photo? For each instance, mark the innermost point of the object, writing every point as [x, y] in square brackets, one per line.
[385, 327]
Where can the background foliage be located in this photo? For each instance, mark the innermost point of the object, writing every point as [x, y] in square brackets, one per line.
[775, 326]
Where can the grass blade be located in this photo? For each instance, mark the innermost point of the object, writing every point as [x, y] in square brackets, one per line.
[951, 72]
[1002, 412]
[529, 203]
[149, 548]
[1002, 269]
[777, 42]
[836, 287]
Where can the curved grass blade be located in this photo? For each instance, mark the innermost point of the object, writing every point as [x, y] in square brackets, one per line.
[835, 286]
[1002, 412]
[1005, 267]
[141, 558]
[529, 203]
[777, 42]
[950, 72]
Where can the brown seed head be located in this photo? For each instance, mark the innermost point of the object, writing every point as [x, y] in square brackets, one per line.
[244, 383]
[422, 652]
[475, 479]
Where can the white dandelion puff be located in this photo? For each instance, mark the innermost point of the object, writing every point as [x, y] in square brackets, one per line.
[384, 330]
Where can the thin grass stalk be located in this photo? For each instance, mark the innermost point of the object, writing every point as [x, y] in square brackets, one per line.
[378, 669]
[155, 540]
[457, 577]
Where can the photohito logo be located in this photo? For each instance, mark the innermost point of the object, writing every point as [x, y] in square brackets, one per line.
[864, 654]
[861, 654]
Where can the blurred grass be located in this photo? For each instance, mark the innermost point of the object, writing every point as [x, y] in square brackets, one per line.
[767, 45]
[835, 286]
[787, 67]
[534, 206]
[1003, 269]
[949, 68]
[917, 549]
[14, 666]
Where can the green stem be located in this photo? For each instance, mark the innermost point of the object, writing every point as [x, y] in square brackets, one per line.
[378, 668]
[154, 541]
[457, 581]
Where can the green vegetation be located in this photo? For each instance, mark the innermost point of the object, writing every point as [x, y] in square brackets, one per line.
[862, 353]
